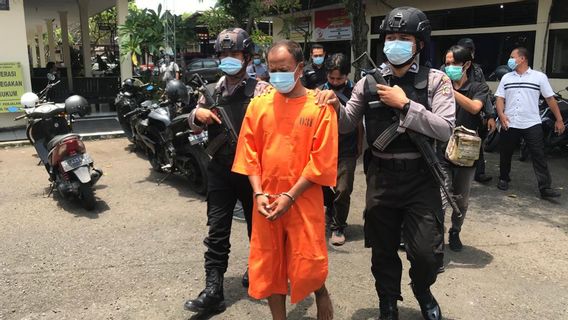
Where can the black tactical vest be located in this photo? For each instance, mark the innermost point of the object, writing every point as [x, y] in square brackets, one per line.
[236, 107]
[378, 116]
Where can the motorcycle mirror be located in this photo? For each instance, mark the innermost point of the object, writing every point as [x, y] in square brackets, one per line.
[13, 109]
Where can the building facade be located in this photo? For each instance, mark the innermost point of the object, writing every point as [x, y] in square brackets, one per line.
[495, 26]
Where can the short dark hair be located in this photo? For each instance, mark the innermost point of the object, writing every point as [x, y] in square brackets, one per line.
[338, 61]
[317, 46]
[49, 65]
[461, 54]
[293, 48]
[523, 52]
[467, 43]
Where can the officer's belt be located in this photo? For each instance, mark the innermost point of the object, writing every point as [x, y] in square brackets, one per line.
[399, 164]
[401, 155]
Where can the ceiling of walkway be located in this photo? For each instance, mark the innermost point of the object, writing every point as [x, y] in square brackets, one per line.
[37, 11]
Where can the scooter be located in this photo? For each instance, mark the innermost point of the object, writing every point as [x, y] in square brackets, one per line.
[62, 152]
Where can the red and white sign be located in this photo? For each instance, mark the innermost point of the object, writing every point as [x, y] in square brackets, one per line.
[332, 24]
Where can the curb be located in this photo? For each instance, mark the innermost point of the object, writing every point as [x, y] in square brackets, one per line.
[84, 136]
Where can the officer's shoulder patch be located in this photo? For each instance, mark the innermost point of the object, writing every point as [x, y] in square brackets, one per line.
[446, 85]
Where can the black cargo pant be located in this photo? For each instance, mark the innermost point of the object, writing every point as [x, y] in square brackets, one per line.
[223, 189]
[534, 138]
[403, 191]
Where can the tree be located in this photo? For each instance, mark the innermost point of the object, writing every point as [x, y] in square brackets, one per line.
[359, 31]
[102, 25]
[216, 19]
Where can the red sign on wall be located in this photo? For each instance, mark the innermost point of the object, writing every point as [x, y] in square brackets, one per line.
[332, 24]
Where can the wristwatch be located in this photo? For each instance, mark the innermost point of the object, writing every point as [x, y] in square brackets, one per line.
[405, 108]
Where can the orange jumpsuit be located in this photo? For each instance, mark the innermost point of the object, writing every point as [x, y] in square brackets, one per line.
[281, 140]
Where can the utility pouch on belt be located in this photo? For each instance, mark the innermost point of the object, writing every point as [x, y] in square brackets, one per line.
[463, 147]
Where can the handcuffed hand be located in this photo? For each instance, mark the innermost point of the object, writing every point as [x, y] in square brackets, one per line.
[279, 207]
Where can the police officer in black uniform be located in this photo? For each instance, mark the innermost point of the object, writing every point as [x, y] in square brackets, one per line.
[315, 72]
[400, 187]
[233, 92]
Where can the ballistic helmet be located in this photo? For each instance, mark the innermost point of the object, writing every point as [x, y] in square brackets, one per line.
[176, 91]
[407, 20]
[234, 39]
[76, 104]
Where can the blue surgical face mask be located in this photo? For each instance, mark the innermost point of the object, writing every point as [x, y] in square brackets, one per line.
[256, 61]
[230, 65]
[512, 63]
[455, 73]
[398, 51]
[283, 82]
[318, 60]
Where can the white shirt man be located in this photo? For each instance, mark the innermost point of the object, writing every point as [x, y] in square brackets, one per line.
[517, 107]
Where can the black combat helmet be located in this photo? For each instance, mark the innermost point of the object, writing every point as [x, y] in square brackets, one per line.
[407, 20]
[176, 91]
[234, 39]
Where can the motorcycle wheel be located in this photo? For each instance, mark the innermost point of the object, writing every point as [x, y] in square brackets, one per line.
[87, 196]
[125, 123]
[154, 162]
[198, 163]
[492, 142]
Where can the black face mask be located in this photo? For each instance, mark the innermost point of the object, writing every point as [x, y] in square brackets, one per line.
[337, 88]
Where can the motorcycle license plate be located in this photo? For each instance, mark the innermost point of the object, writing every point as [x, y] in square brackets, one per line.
[76, 162]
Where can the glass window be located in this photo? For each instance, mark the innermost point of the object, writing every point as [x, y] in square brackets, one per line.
[559, 11]
[195, 65]
[557, 62]
[507, 14]
[209, 64]
[492, 49]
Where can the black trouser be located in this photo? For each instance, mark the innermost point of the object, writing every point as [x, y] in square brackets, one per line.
[339, 210]
[403, 191]
[223, 189]
[534, 138]
[480, 165]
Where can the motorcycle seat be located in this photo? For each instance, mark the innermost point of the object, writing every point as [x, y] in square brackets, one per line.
[57, 139]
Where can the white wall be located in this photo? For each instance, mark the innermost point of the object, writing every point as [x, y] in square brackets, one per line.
[13, 33]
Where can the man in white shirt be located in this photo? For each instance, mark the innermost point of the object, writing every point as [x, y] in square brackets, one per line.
[517, 107]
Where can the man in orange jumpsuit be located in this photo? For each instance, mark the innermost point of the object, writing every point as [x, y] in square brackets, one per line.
[288, 148]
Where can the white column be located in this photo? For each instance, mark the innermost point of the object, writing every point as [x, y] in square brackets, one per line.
[125, 61]
[50, 39]
[33, 47]
[65, 48]
[541, 37]
[85, 36]
[41, 45]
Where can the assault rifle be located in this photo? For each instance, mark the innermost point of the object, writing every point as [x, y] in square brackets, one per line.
[420, 141]
[230, 132]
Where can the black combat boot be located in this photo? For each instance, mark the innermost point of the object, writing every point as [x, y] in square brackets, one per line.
[428, 304]
[388, 308]
[211, 299]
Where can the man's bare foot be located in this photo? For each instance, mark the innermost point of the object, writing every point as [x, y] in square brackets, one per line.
[323, 303]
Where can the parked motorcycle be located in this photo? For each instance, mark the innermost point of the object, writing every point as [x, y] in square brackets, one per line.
[131, 95]
[62, 152]
[163, 129]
